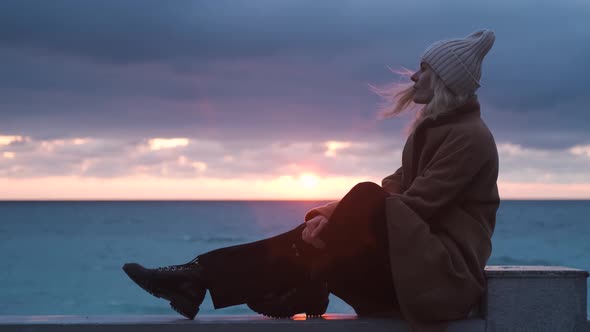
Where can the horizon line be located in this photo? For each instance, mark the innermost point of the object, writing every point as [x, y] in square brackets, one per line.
[237, 200]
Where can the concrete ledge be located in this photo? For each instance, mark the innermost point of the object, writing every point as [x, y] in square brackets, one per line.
[519, 298]
[535, 298]
[532, 271]
[329, 322]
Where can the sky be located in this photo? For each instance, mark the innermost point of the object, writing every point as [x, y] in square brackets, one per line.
[270, 99]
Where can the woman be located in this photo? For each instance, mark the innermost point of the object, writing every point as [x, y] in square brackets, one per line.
[417, 245]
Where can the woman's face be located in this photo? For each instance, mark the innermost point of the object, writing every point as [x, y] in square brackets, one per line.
[423, 92]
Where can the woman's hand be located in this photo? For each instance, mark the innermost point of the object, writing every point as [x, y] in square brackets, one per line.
[311, 233]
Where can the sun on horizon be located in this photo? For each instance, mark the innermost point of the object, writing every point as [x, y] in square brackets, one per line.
[309, 180]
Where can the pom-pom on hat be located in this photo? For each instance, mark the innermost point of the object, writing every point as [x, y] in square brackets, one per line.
[458, 61]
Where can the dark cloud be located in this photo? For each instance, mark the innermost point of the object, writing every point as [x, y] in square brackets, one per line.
[277, 71]
[144, 30]
[131, 31]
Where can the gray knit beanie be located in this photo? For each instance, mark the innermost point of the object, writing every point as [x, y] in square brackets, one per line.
[458, 61]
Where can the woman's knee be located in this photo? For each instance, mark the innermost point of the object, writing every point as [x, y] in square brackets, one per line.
[367, 188]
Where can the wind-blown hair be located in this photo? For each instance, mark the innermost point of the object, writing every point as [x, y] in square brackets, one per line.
[398, 97]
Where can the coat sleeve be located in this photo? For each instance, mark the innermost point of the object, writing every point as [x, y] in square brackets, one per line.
[459, 158]
[393, 183]
[324, 210]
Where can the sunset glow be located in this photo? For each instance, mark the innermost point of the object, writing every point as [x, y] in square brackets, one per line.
[197, 165]
[309, 181]
[147, 187]
[334, 146]
[581, 150]
[7, 140]
[279, 188]
[167, 143]
[180, 168]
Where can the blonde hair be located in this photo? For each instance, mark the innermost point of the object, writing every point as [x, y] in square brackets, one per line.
[398, 98]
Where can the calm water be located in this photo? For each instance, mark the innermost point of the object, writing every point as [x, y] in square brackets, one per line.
[66, 257]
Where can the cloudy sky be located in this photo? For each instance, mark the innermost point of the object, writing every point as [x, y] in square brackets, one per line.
[270, 99]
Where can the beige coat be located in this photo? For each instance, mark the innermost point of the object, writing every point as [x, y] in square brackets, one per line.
[441, 217]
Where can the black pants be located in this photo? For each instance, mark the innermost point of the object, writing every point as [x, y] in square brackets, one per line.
[354, 262]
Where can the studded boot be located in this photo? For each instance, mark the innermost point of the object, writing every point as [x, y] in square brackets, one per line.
[310, 297]
[183, 285]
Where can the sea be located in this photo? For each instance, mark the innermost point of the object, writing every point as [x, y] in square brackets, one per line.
[65, 257]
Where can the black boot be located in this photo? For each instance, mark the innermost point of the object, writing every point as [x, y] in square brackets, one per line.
[309, 297]
[182, 285]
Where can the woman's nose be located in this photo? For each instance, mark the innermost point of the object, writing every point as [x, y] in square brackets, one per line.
[414, 77]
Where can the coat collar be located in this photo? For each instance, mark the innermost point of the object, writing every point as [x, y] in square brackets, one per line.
[471, 107]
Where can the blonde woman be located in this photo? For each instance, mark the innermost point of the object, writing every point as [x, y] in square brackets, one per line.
[424, 261]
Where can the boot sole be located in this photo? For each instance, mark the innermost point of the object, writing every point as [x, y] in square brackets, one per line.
[280, 306]
[180, 304]
[307, 316]
[309, 313]
[286, 316]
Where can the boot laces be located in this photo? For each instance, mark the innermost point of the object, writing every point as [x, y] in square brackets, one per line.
[181, 267]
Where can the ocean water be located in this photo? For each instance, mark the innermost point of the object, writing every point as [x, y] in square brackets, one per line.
[66, 257]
